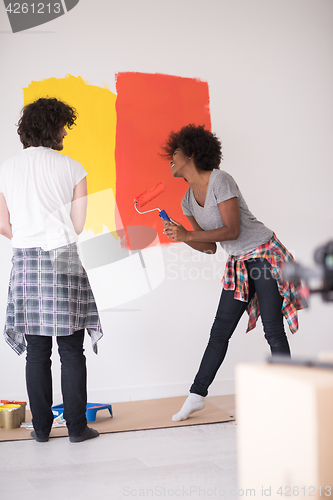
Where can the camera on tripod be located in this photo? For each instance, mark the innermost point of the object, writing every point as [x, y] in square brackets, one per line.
[322, 271]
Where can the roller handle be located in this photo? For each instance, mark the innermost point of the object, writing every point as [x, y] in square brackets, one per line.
[164, 215]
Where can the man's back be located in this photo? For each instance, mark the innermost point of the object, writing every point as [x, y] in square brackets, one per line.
[38, 186]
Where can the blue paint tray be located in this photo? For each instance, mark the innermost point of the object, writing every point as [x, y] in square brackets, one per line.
[92, 409]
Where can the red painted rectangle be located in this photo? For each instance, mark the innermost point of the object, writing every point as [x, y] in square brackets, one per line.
[148, 107]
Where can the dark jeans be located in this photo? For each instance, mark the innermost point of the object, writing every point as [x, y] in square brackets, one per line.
[228, 315]
[73, 382]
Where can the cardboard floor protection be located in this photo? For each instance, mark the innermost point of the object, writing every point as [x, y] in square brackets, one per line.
[134, 415]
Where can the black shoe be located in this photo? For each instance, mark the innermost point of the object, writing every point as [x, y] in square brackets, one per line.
[39, 439]
[88, 433]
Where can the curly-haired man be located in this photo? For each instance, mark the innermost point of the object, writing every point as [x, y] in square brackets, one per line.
[42, 210]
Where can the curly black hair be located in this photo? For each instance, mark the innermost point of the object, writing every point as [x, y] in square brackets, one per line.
[196, 141]
[42, 120]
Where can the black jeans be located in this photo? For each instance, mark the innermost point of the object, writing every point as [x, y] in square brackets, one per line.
[228, 315]
[73, 382]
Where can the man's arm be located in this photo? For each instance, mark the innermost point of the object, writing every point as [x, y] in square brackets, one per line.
[79, 206]
[5, 225]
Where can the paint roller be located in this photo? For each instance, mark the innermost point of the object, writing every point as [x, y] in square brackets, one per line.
[148, 196]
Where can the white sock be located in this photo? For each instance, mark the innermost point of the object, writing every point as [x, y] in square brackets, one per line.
[193, 403]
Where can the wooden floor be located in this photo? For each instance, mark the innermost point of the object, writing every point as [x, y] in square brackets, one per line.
[182, 462]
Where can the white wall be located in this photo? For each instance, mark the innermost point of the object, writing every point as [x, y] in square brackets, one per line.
[269, 67]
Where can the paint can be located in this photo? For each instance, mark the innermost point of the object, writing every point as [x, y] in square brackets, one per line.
[10, 416]
[22, 404]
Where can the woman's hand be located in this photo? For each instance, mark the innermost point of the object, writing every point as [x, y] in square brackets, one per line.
[175, 231]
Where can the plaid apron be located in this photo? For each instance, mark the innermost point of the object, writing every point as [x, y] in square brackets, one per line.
[49, 294]
[236, 278]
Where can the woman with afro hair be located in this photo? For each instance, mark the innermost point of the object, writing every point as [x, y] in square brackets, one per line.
[218, 213]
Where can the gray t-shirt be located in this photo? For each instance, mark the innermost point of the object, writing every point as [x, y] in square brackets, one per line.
[222, 187]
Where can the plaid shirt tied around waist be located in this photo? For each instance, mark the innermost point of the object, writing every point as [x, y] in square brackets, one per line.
[236, 278]
[49, 294]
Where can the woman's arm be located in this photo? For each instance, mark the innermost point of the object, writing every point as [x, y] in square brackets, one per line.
[79, 206]
[5, 225]
[229, 211]
[205, 247]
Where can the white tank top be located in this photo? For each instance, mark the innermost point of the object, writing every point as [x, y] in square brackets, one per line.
[38, 187]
